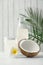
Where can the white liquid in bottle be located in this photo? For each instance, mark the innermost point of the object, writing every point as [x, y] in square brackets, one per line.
[22, 33]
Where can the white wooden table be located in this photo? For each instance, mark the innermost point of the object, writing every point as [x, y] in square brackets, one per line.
[20, 59]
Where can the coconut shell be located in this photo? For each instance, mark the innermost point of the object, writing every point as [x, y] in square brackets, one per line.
[28, 54]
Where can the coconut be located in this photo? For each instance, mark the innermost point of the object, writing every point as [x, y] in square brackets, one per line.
[28, 48]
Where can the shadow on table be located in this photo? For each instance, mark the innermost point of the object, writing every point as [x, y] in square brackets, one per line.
[22, 56]
[39, 56]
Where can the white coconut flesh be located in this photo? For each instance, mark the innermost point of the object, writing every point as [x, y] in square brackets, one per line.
[29, 46]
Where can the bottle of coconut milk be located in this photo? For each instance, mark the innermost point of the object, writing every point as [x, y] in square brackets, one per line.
[22, 32]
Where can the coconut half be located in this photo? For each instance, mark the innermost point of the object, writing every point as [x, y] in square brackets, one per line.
[28, 48]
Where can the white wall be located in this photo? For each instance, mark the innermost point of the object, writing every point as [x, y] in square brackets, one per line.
[8, 20]
[9, 14]
[0, 25]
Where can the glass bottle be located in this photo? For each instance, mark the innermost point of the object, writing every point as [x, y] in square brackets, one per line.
[22, 32]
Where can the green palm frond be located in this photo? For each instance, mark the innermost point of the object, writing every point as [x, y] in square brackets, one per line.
[35, 18]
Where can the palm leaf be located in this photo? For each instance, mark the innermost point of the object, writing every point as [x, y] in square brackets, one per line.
[35, 18]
